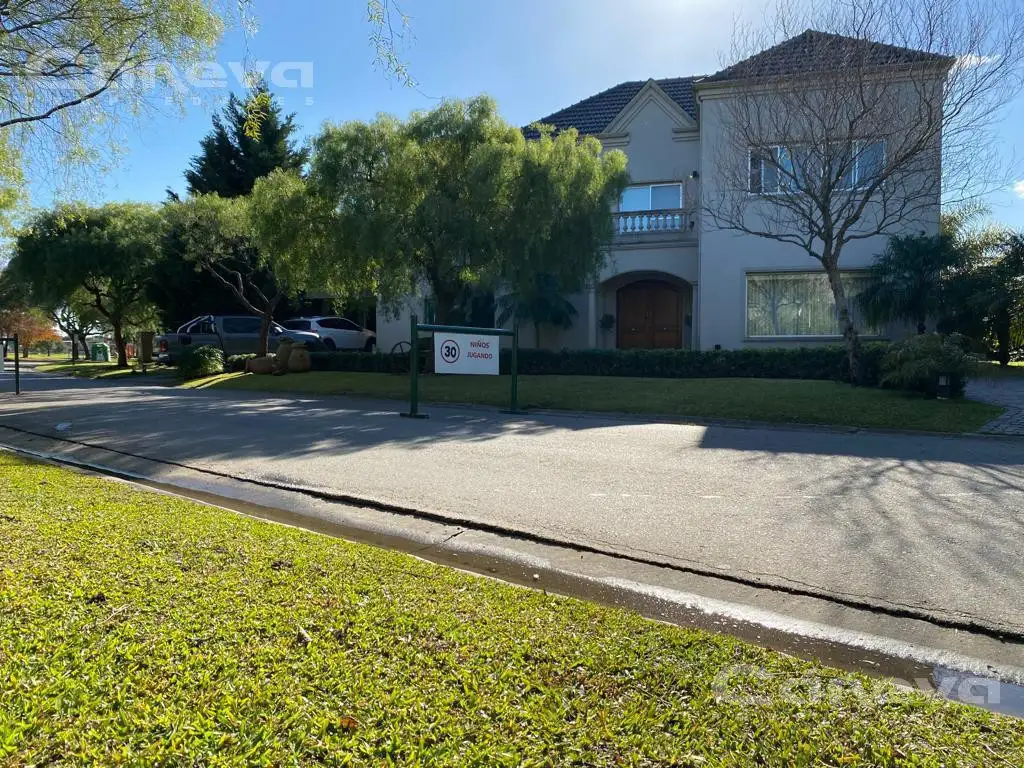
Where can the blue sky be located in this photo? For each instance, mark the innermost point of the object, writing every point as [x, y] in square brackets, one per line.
[533, 56]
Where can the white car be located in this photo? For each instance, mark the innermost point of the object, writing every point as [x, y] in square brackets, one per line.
[336, 332]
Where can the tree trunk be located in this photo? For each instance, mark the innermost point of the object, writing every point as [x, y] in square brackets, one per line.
[266, 319]
[444, 306]
[74, 348]
[1003, 338]
[850, 336]
[120, 344]
[84, 340]
[921, 328]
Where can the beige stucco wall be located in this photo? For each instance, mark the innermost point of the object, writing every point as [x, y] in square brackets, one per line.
[727, 256]
[658, 147]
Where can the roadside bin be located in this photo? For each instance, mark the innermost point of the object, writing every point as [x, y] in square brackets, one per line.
[100, 353]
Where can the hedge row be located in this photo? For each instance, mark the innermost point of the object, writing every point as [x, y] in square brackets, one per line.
[824, 362]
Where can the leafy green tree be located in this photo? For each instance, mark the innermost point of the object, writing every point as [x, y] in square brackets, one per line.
[215, 234]
[543, 304]
[990, 296]
[73, 68]
[228, 164]
[906, 281]
[102, 256]
[230, 159]
[451, 199]
[982, 296]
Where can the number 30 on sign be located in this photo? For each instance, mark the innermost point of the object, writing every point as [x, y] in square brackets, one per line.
[466, 353]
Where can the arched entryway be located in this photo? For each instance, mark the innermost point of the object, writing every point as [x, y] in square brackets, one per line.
[650, 315]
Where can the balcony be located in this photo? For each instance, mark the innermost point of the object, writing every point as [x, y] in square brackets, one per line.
[653, 226]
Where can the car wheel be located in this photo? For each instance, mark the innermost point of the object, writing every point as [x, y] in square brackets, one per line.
[329, 343]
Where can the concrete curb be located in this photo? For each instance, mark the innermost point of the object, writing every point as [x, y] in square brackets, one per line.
[496, 556]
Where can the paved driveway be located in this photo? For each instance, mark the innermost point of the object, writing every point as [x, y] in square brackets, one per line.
[1007, 392]
[928, 525]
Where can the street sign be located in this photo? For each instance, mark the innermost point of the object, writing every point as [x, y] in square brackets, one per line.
[466, 354]
[462, 349]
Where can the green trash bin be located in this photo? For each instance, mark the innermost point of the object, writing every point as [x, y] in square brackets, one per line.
[100, 353]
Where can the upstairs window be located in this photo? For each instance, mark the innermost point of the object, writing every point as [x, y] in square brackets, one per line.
[868, 161]
[777, 170]
[652, 197]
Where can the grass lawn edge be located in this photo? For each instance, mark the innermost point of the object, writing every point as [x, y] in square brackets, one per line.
[239, 635]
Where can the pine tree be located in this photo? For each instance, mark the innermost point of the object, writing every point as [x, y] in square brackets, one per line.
[230, 160]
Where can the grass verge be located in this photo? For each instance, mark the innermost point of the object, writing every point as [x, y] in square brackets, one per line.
[90, 370]
[140, 629]
[770, 400]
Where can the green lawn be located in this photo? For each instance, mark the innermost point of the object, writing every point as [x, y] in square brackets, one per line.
[141, 629]
[770, 400]
[89, 370]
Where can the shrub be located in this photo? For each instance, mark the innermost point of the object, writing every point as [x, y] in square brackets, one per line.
[916, 364]
[824, 362]
[236, 363]
[359, 362]
[200, 361]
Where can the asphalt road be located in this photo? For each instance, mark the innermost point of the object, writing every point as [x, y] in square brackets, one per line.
[929, 524]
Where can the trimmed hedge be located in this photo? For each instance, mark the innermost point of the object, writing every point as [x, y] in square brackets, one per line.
[824, 362]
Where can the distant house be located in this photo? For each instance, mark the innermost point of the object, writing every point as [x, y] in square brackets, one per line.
[673, 279]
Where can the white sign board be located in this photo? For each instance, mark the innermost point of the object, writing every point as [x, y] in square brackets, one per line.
[466, 353]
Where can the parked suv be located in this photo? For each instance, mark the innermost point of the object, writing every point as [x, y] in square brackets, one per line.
[336, 332]
[233, 334]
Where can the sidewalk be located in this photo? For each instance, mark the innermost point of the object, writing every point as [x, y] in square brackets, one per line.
[1007, 392]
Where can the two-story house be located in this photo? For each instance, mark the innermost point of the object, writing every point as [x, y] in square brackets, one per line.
[674, 276]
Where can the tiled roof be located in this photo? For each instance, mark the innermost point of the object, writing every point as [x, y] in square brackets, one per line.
[593, 115]
[813, 51]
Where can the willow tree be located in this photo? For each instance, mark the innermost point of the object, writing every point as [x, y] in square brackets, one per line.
[449, 199]
[73, 73]
[215, 234]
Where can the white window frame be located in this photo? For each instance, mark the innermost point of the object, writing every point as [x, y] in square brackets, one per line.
[858, 150]
[650, 194]
[779, 149]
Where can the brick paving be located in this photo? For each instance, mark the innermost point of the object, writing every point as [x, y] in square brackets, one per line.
[1009, 393]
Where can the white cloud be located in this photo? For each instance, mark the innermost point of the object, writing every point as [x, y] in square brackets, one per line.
[975, 60]
[1019, 188]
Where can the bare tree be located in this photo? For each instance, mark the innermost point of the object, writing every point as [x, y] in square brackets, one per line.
[859, 126]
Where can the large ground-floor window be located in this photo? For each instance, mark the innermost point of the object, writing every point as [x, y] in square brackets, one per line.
[783, 304]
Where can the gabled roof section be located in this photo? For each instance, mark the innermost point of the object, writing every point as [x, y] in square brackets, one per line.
[813, 51]
[591, 116]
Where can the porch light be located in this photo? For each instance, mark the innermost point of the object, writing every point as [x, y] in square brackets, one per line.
[694, 175]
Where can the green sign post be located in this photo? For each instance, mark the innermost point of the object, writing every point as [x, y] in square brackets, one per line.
[478, 358]
[17, 359]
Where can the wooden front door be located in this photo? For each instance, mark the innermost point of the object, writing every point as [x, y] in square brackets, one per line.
[649, 316]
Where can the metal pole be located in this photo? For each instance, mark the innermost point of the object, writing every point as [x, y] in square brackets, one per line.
[414, 370]
[515, 367]
[17, 365]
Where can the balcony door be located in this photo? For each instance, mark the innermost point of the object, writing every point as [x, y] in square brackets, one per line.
[650, 316]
